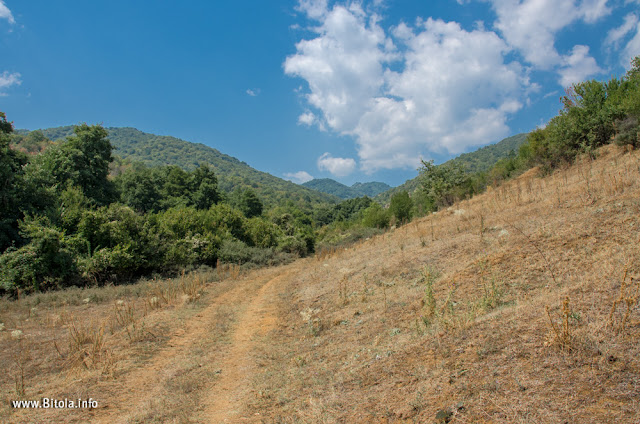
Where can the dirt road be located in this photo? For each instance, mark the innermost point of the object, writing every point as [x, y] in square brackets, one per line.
[225, 370]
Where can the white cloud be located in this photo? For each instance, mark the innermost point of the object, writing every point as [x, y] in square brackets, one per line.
[343, 66]
[307, 118]
[313, 8]
[5, 13]
[8, 79]
[440, 89]
[531, 25]
[632, 49]
[592, 10]
[340, 167]
[253, 92]
[299, 177]
[615, 35]
[578, 66]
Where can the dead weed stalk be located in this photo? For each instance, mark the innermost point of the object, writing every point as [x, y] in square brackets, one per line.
[627, 297]
[562, 332]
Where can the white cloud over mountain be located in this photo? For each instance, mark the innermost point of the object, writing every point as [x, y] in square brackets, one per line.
[531, 26]
[340, 167]
[298, 177]
[436, 88]
[411, 90]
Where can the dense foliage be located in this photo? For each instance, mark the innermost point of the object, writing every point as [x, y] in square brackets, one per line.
[594, 113]
[329, 186]
[65, 221]
[132, 145]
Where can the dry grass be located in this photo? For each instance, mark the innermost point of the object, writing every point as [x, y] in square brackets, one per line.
[516, 306]
[447, 316]
[74, 341]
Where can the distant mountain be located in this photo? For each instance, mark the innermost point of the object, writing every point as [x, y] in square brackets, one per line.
[329, 186]
[371, 189]
[478, 161]
[155, 150]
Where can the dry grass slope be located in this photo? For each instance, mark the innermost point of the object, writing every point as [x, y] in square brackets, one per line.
[517, 306]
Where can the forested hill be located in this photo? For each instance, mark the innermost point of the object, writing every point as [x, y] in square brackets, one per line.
[329, 186]
[480, 160]
[155, 150]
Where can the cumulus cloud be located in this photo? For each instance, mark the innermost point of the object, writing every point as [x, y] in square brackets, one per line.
[307, 118]
[578, 66]
[313, 8]
[531, 25]
[340, 167]
[299, 177]
[5, 13]
[7, 80]
[253, 92]
[432, 87]
[342, 66]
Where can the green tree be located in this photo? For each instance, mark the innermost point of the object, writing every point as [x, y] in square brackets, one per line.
[140, 190]
[441, 184]
[400, 207]
[375, 216]
[204, 188]
[82, 160]
[250, 204]
[11, 186]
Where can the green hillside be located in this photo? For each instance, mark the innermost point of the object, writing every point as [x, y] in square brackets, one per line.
[155, 150]
[329, 186]
[478, 161]
[371, 189]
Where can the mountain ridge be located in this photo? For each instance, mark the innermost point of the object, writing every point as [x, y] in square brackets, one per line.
[479, 160]
[343, 191]
[160, 150]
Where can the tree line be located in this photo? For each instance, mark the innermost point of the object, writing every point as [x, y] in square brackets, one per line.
[64, 221]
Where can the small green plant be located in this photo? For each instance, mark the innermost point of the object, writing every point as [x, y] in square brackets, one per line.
[492, 295]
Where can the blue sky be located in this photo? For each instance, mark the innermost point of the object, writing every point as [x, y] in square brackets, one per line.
[355, 91]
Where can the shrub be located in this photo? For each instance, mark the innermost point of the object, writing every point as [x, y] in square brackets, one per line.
[45, 262]
[401, 206]
[237, 252]
[375, 217]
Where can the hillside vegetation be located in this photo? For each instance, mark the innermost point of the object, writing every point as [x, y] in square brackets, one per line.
[66, 222]
[329, 186]
[478, 161]
[153, 150]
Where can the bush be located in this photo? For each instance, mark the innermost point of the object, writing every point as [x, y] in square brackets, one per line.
[237, 252]
[401, 207]
[262, 233]
[628, 132]
[375, 217]
[46, 262]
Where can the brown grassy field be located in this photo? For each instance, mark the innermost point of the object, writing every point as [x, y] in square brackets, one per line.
[517, 306]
